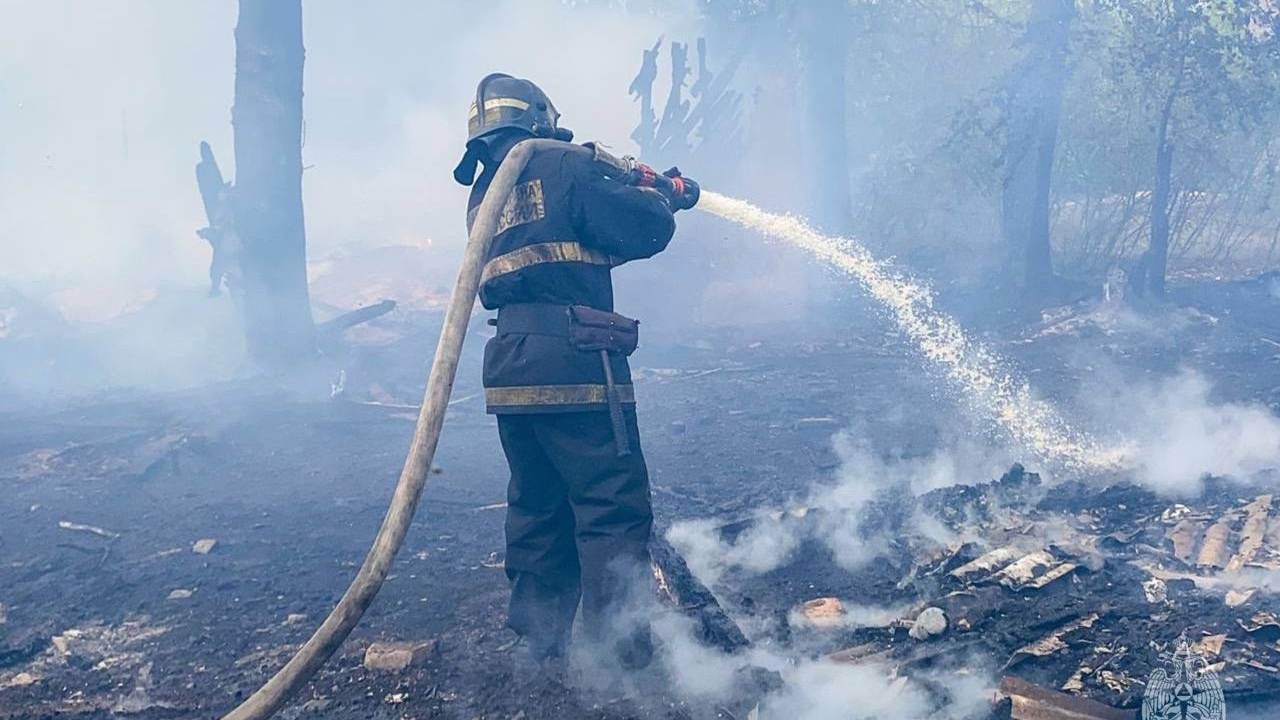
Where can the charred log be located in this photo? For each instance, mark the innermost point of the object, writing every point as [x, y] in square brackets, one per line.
[687, 592]
[358, 316]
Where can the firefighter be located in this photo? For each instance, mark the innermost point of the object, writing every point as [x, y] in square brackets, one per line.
[556, 375]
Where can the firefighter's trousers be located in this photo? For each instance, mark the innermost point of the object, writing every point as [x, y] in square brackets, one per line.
[578, 526]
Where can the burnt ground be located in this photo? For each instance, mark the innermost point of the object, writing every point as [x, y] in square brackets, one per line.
[292, 484]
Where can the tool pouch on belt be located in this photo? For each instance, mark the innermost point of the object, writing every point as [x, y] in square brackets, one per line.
[594, 330]
[607, 333]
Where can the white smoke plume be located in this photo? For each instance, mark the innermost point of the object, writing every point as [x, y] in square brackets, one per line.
[1177, 434]
[803, 687]
[842, 504]
[765, 545]
[822, 690]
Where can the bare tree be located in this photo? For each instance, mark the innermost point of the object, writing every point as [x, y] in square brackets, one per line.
[267, 199]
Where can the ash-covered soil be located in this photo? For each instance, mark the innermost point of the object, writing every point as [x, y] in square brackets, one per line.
[106, 610]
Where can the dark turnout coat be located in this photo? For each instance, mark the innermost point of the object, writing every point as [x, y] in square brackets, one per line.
[562, 230]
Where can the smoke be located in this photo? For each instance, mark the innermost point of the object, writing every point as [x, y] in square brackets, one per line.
[102, 109]
[1173, 434]
[775, 683]
[818, 689]
[823, 689]
[1177, 434]
[768, 543]
[1248, 578]
[838, 513]
[98, 147]
[866, 478]
[700, 672]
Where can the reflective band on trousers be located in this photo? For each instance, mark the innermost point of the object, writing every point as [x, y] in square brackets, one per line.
[548, 252]
[555, 395]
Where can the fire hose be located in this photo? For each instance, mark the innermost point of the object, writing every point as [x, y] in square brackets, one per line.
[426, 434]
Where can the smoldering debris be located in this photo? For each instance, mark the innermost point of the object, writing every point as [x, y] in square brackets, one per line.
[849, 525]
[1070, 596]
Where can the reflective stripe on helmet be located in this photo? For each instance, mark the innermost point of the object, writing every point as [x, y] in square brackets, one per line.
[492, 104]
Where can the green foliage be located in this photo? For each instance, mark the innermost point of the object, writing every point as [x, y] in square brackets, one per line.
[926, 120]
[925, 187]
[1204, 71]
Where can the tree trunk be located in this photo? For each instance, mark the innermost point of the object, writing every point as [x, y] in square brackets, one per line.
[1156, 262]
[267, 118]
[822, 26]
[1034, 94]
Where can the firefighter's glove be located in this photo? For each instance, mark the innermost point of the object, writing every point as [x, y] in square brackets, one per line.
[684, 191]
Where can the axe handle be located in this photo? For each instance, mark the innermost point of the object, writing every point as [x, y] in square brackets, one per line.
[615, 408]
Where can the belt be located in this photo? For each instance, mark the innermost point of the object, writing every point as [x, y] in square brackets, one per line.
[533, 319]
[554, 320]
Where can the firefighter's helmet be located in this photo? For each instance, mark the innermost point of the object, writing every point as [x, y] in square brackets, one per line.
[504, 102]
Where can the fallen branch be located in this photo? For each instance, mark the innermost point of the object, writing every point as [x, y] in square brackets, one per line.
[695, 599]
[355, 317]
[397, 406]
[78, 527]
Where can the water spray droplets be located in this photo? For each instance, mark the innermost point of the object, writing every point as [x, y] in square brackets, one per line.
[972, 368]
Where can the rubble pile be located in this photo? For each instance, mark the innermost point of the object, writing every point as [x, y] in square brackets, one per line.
[1072, 595]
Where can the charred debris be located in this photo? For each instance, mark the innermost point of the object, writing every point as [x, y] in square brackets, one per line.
[1071, 595]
